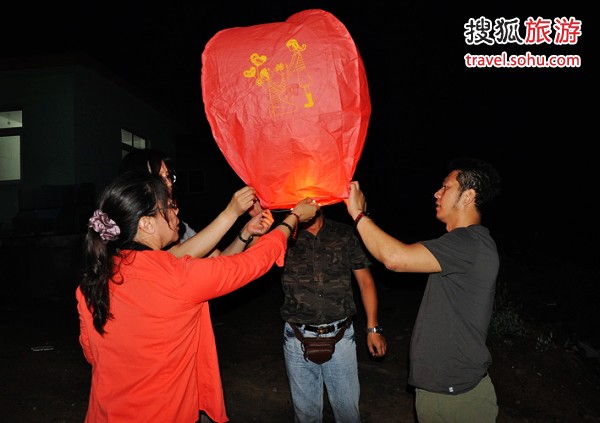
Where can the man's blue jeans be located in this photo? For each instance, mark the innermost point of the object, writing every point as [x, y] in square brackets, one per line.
[339, 375]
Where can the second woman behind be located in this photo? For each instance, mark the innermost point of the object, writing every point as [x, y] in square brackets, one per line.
[204, 242]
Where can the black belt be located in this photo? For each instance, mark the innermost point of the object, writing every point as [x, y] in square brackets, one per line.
[322, 330]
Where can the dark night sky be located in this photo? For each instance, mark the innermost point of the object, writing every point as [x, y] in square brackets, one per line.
[533, 124]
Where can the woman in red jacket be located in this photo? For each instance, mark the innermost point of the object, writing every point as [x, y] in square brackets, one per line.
[144, 321]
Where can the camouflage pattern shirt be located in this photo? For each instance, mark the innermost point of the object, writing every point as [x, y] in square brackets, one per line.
[317, 275]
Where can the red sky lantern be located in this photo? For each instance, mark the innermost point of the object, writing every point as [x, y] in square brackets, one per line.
[288, 104]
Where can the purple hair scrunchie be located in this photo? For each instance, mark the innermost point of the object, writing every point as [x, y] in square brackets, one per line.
[105, 226]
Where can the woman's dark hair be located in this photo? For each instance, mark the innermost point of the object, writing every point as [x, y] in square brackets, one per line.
[478, 175]
[144, 161]
[125, 201]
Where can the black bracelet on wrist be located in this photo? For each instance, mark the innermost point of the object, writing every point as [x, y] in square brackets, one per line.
[245, 241]
[287, 226]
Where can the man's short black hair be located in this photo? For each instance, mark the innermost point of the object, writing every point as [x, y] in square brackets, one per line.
[479, 175]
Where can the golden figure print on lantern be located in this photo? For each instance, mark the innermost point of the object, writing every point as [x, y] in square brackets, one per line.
[283, 86]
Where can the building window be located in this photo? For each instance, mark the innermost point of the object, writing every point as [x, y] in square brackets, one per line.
[131, 141]
[11, 126]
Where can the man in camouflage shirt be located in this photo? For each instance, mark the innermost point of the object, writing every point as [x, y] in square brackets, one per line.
[319, 300]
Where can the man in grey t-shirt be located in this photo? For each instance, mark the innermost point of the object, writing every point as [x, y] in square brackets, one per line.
[449, 358]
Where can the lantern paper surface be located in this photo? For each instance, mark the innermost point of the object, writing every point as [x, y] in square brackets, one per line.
[288, 105]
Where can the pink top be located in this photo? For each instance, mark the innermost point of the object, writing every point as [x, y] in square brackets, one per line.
[157, 361]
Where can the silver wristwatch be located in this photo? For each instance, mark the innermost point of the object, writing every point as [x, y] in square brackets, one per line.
[376, 329]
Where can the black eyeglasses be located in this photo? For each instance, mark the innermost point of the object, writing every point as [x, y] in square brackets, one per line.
[172, 204]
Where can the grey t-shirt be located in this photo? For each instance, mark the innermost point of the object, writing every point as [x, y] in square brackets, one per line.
[448, 352]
